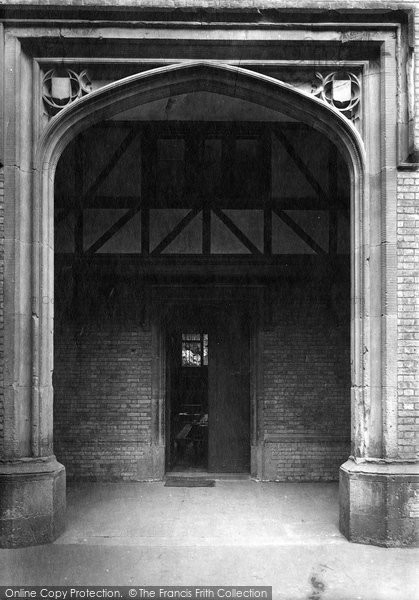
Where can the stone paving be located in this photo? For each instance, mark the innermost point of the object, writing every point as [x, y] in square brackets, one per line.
[236, 533]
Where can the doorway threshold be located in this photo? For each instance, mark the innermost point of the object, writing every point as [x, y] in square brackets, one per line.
[208, 475]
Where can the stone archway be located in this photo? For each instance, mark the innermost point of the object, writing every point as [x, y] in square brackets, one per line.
[42, 469]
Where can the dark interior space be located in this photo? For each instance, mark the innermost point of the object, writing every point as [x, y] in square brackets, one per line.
[222, 207]
[188, 393]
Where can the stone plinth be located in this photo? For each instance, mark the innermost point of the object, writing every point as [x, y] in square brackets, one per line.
[32, 502]
[379, 503]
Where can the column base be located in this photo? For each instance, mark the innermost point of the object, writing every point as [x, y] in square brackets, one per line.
[32, 501]
[379, 503]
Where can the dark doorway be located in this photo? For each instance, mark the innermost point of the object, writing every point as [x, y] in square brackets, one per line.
[229, 393]
[189, 399]
[209, 390]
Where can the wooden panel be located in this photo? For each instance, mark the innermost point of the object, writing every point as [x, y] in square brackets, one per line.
[64, 234]
[229, 394]
[223, 240]
[189, 240]
[250, 222]
[170, 169]
[127, 240]
[302, 168]
[285, 241]
[171, 382]
[315, 223]
[109, 155]
[162, 222]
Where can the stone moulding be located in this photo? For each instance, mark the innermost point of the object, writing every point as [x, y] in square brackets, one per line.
[61, 87]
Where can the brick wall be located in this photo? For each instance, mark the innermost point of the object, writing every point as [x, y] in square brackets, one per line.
[408, 316]
[102, 400]
[1, 308]
[304, 460]
[306, 361]
[408, 290]
[102, 387]
[415, 6]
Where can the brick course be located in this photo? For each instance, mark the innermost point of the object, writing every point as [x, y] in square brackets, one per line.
[306, 362]
[408, 315]
[102, 400]
[301, 460]
[1, 308]
[102, 391]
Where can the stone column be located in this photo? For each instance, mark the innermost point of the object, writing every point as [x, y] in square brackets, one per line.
[32, 482]
[378, 490]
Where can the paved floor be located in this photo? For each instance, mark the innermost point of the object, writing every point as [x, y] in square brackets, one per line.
[236, 533]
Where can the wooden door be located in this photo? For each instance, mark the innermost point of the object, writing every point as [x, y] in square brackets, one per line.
[171, 385]
[229, 393]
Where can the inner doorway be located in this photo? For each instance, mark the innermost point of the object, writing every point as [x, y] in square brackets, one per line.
[208, 389]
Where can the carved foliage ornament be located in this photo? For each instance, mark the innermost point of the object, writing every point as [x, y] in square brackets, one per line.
[62, 86]
[342, 90]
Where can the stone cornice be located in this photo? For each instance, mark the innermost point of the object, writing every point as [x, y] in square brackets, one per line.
[317, 5]
[325, 10]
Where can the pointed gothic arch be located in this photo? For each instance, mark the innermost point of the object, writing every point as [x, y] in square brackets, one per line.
[161, 83]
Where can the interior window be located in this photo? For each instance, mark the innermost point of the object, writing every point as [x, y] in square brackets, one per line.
[194, 349]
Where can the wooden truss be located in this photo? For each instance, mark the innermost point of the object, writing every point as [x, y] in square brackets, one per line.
[208, 206]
